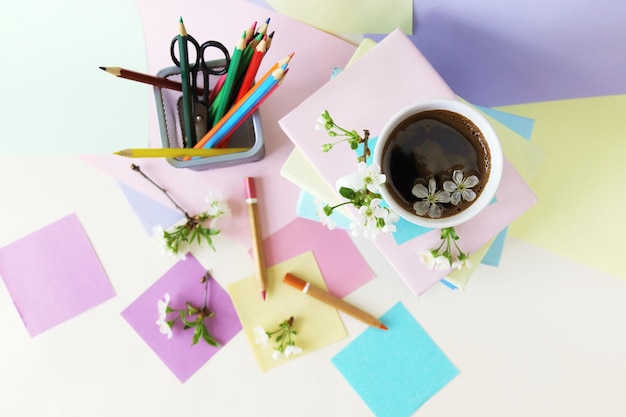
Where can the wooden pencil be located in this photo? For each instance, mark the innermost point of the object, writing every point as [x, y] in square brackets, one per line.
[332, 301]
[147, 79]
[229, 83]
[257, 237]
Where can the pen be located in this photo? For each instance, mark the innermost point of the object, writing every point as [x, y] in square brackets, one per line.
[176, 152]
[257, 238]
[332, 301]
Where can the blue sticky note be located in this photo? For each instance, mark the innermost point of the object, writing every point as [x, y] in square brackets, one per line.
[306, 209]
[150, 212]
[398, 370]
[521, 125]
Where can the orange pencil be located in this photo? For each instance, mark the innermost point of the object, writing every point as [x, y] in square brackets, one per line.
[239, 103]
[223, 143]
[257, 238]
[332, 301]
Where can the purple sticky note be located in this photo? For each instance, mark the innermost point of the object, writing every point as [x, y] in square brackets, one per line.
[53, 275]
[343, 267]
[182, 283]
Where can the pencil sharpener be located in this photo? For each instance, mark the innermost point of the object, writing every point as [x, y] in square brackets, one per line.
[248, 135]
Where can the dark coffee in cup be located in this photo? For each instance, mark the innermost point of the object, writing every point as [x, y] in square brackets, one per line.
[433, 144]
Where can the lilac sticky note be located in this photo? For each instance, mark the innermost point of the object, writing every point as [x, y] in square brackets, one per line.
[398, 370]
[54, 274]
[343, 267]
[182, 282]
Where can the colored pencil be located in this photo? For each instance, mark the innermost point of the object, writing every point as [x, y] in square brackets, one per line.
[263, 28]
[250, 32]
[176, 152]
[269, 40]
[238, 120]
[229, 83]
[257, 237]
[240, 109]
[146, 79]
[251, 71]
[332, 301]
[186, 82]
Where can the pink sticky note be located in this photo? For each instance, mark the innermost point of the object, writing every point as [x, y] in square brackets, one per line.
[343, 267]
[182, 282]
[53, 275]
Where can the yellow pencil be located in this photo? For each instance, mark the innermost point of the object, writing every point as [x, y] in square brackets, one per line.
[176, 152]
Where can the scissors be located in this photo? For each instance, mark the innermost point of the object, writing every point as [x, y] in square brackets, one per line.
[199, 64]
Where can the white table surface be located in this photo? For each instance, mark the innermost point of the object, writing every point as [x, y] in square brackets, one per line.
[539, 335]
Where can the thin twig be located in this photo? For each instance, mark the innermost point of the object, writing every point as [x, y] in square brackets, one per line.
[138, 169]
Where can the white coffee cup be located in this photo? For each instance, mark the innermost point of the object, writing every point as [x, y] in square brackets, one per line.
[487, 138]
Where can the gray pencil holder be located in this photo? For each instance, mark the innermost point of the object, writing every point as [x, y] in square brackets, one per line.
[249, 135]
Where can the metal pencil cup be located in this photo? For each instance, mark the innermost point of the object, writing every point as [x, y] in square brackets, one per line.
[248, 135]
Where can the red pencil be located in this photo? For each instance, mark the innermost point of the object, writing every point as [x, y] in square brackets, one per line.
[251, 71]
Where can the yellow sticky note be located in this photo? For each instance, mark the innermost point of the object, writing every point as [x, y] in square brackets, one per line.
[317, 324]
[580, 209]
[461, 277]
[350, 16]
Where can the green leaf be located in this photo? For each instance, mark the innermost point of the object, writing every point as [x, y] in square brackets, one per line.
[185, 321]
[346, 192]
[208, 338]
[197, 334]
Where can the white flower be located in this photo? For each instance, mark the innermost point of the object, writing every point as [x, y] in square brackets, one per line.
[162, 306]
[368, 177]
[261, 336]
[389, 226]
[159, 234]
[427, 257]
[163, 309]
[321, 123]
[324, 218]
[367, 220]
[277, 354]
[217, 207]
[442, 263]
[164, 328]
[462, 262]
[430, 199]
[460, 187]
[292, 350]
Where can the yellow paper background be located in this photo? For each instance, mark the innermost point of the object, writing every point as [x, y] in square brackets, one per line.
[317, 324]
[581, 204]
[350, 16]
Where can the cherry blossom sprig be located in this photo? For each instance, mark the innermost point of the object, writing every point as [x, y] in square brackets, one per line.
[197, 228]
[361, 189]
[283, 336]
[443, 257]
[191, 316]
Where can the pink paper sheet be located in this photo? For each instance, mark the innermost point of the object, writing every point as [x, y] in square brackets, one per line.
[365, 95]
[309, 70]
[182, 282]
[343, 267]
[54, 274]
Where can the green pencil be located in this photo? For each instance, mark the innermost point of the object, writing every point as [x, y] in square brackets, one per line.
[229, 83]
[185, 81]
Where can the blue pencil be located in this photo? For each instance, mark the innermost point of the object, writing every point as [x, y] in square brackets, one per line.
[242, 109]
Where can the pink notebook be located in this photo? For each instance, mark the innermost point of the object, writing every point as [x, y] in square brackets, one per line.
[365, 95]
